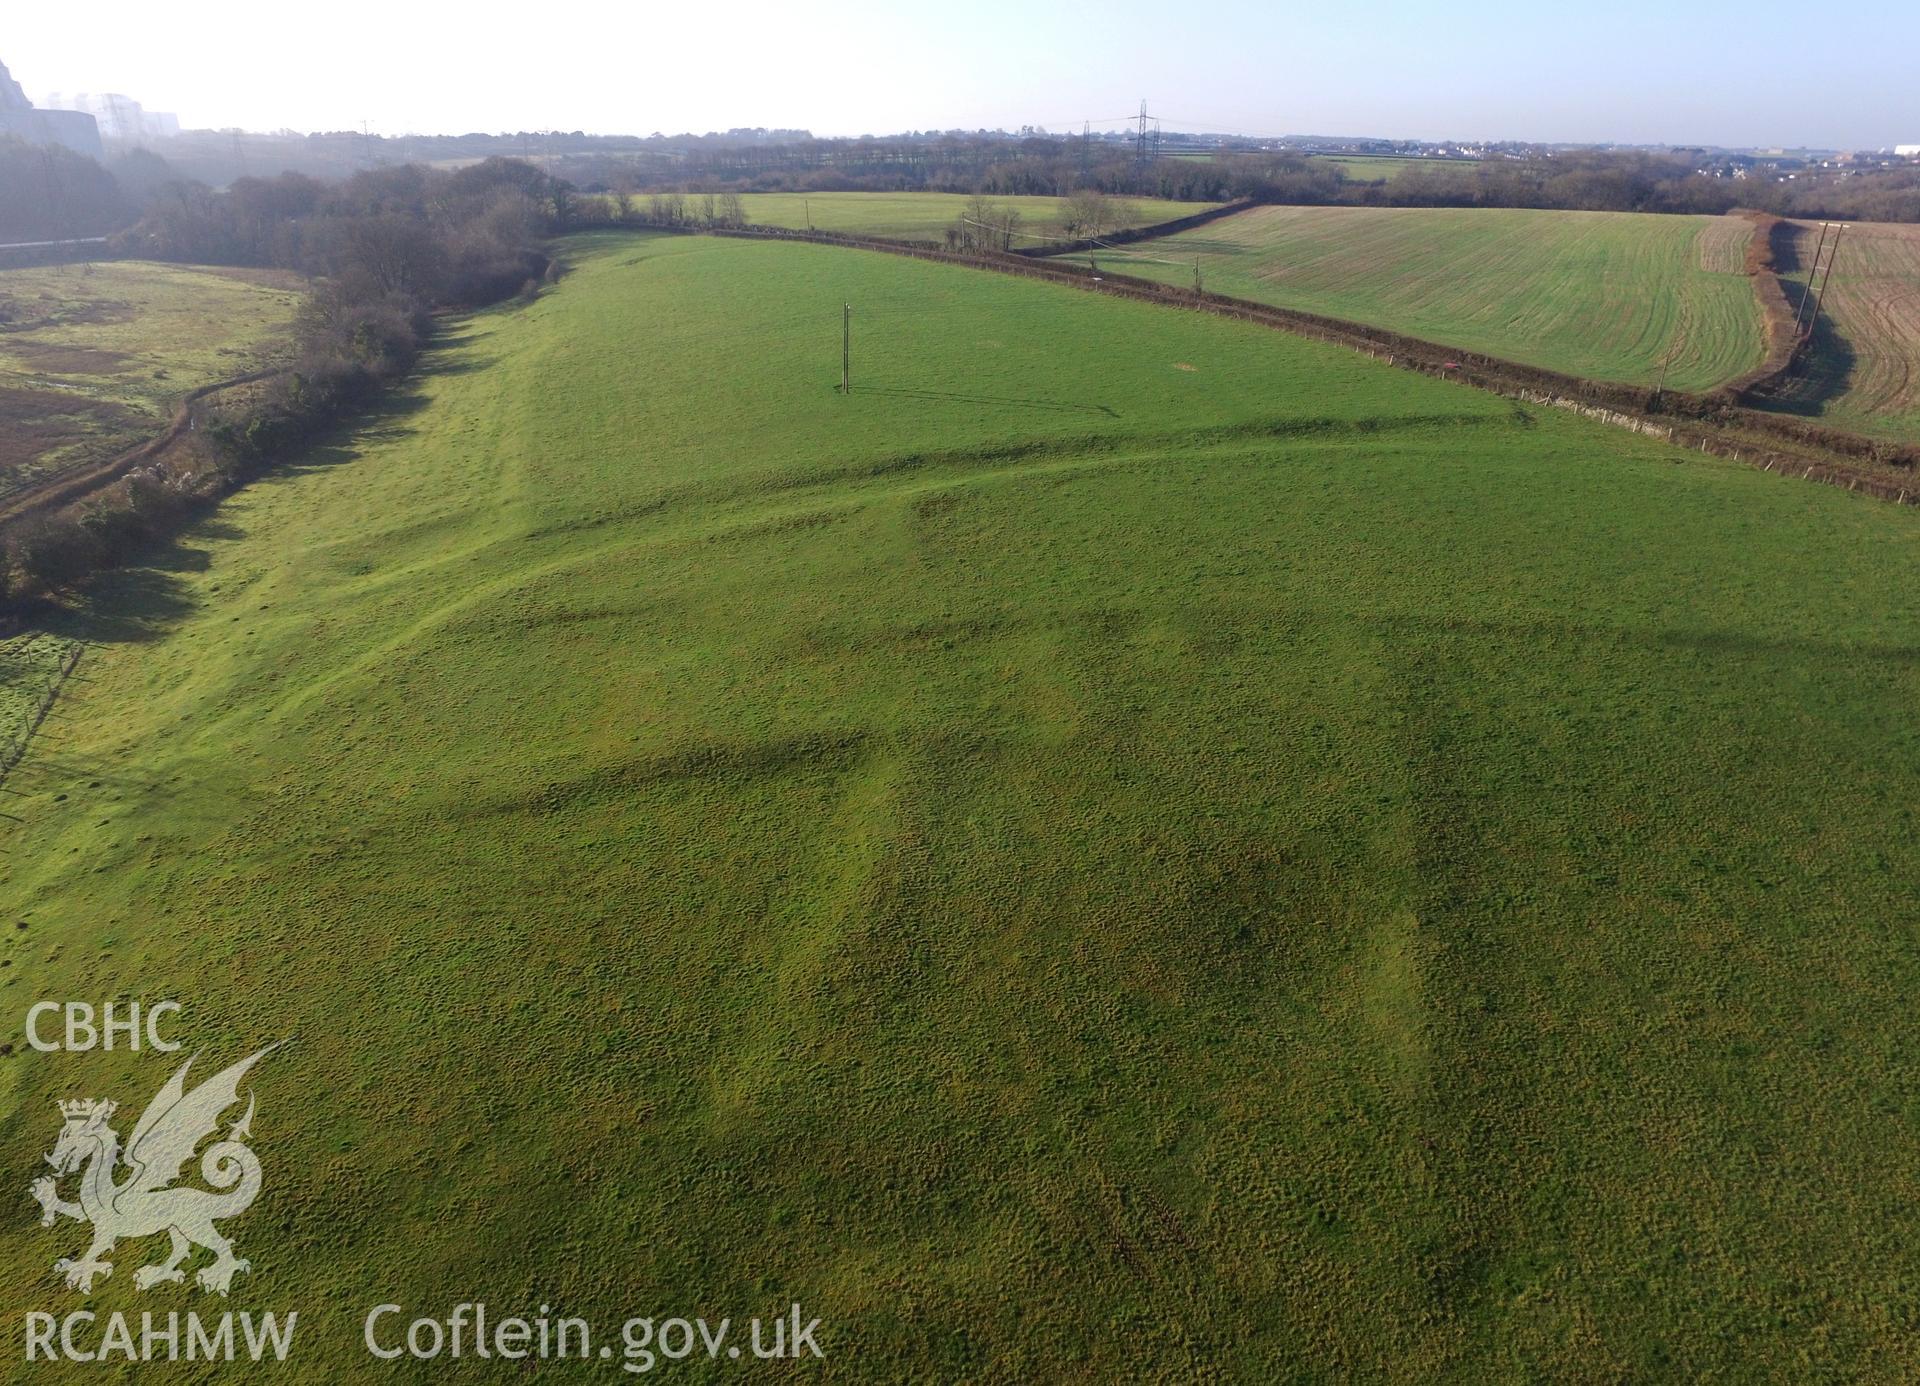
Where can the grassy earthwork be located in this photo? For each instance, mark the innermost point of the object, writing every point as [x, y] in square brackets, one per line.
[1130, 846]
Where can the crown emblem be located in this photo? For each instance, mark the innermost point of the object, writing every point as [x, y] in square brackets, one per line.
[82, 1108]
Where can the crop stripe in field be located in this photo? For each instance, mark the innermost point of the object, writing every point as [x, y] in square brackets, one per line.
[1704, 428]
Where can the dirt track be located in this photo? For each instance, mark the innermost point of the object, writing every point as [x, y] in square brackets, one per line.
[71, 485]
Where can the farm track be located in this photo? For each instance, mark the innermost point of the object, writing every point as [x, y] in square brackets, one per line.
[79, 482]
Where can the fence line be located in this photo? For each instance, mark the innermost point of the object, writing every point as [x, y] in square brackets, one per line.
[18, 750]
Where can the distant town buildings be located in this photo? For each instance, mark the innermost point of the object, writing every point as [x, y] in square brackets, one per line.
[1907, 151]
[19, 117]
[120, 117]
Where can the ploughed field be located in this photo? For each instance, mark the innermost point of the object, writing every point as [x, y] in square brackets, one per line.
[1864, 369]
[1605, 295]
[95, 357]
[1131, 844]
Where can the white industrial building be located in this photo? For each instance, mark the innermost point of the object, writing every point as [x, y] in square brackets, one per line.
[120, 117]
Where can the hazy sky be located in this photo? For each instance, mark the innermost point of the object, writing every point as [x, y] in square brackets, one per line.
[1754, 72]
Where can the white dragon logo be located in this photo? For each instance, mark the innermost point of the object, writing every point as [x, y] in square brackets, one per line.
[144, 1203]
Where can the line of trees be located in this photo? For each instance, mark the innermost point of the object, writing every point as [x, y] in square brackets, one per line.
[677, 209]
[1600, 181]
[1582, 180]
[384, 251]
[984, 224]
[50, 193]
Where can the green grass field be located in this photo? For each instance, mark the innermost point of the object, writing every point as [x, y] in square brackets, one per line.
[94, 357]
[1132, 847]
[926, 216]
[1607, 295]
[30, 665]
[1375, 168]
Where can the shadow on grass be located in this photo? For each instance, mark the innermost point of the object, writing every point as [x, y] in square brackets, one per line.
[131, 605]
[467, 365]
[949, 396]
[149, 597]
[1825, 369]
[1707, 640]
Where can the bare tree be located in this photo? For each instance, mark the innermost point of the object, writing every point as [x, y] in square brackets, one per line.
[1087, 213]
[978, 219]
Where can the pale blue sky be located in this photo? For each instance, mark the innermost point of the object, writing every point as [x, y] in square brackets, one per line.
[1758, 72]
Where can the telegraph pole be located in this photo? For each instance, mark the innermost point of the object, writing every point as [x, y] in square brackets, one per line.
[1196, 277]
[846, 348]
[1826, 279]
[1801, 310]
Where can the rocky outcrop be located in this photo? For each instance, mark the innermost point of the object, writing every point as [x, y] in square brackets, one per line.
[75, 129]
[12, 98]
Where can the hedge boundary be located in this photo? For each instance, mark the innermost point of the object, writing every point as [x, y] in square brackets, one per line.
[1771, 236]
[1138, 233]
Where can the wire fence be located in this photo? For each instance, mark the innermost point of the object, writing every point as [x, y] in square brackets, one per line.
[22, 739]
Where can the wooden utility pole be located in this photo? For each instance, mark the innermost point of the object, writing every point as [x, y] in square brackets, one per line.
[846, 348]
[1196, 277]
[1800, 311]
[1826, 279]
[807, 202]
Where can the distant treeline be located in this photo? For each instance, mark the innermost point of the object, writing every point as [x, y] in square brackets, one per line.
[1573, 180]
[1577, 181]
[52, 194]
[384, 250]
[1632, 182]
